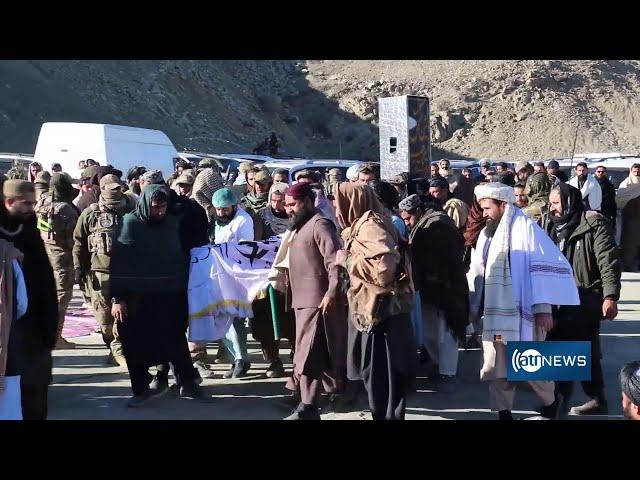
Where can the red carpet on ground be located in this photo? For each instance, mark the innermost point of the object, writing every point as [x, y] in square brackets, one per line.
[78, 323]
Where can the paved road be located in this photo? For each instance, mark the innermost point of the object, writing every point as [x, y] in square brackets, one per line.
[86, 388]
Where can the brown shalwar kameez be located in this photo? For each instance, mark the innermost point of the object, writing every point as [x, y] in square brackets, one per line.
[321, 340]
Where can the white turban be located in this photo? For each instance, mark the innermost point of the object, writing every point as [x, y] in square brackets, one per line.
[352, 172]
[496, 191]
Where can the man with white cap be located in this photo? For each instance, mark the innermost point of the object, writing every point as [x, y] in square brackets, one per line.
[516, 275]
[352, 173]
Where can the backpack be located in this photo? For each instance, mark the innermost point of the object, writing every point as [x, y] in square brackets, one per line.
[51, 221]
[102, 228]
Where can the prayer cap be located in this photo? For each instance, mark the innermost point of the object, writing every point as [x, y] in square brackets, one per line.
[352, 172]
[439, 182]
[152, 176]
[223, 198]
[410, 203]
[300, 191]
[495, 191]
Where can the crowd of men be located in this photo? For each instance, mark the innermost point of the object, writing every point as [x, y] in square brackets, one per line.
[380, 283]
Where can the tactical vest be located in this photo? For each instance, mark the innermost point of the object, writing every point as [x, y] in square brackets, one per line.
[52, 221]
[17, 174]
[102, 230]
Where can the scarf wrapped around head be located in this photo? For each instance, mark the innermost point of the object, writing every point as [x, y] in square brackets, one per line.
[278, 187]
[112, 198]
[353, 201]
[538, 188]
[143, 207]
[630, 381]
[572, 209]
[147, 256]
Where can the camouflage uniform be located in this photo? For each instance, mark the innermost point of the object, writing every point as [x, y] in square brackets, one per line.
[56, 221]
[18, 172]
[94, 237]
[41, 183]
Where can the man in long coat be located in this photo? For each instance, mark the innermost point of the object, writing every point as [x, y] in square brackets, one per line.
[319, 305]
[36, 332]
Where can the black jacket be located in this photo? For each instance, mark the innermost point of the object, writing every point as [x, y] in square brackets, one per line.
[608, 205]
[596, 267]
[439, 273]
[34, 334]
[194, 224]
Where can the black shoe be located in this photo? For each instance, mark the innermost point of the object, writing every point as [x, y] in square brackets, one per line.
[592, 407]
[472, 343]
[505, 415]
[139, 400]
[431, 370]
[563, 406]
[304, 412]
[423, 356]
[192, 391]
[159, 386]
[550, 411]
[342, 402]
[240, 369]
[275, 370]
[445, 383]
[290, 401]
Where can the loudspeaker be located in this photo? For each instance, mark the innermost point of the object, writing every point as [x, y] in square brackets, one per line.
[405, 142]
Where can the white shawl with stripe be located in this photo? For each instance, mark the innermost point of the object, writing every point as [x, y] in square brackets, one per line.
[523, 268]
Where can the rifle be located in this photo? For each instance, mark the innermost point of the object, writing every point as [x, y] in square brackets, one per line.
[575, 138]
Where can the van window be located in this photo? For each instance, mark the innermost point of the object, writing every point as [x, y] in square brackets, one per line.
[617, 176]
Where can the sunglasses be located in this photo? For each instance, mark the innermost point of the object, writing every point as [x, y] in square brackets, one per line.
[600, 171]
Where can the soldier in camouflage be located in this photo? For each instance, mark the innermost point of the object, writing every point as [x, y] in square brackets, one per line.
[94, 237]
[41, 183]
[18, 172]
[57, 217]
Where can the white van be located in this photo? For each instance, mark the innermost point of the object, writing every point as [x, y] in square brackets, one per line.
[122, 147]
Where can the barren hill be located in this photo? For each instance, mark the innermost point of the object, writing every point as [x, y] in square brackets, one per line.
[497, 109]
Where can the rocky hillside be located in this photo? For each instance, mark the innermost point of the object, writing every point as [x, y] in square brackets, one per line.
[498, 109]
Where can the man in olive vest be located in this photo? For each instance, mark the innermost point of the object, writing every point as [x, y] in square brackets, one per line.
[94, 236]
[57, 217]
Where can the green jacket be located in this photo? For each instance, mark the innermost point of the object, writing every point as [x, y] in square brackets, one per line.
[94, 236]
[592, 253]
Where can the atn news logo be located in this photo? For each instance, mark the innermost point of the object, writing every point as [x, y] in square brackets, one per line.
[549, 361]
